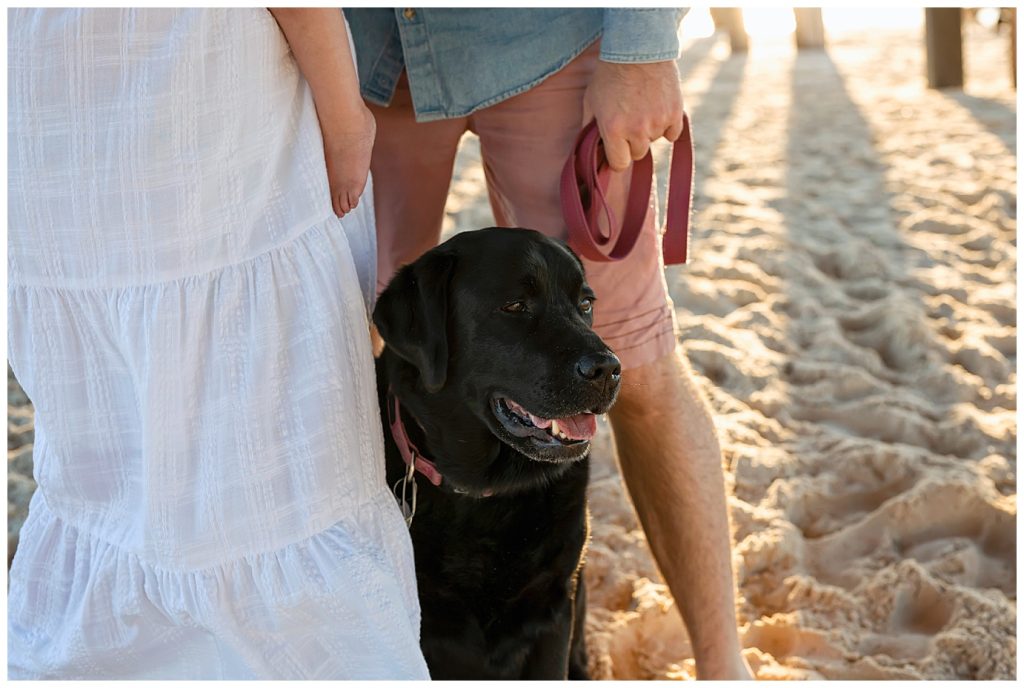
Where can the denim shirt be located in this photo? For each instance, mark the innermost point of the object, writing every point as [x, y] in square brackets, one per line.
[461, 60]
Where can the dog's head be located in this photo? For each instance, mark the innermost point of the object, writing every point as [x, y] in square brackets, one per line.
[493, 330]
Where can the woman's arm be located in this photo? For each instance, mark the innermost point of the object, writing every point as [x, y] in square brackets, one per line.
[319, 41]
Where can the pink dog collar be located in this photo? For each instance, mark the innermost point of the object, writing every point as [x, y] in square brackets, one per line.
[410, 454]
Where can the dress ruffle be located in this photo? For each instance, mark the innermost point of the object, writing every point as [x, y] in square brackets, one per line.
[70, 589]
[200, 419]
[221, 429]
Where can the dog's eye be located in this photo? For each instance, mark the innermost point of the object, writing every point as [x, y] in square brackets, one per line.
[514, 307]
[586, 304]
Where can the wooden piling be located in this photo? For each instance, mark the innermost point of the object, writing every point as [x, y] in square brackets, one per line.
[810, 29]
[1012, 14]
[944, 47]
[731, 19]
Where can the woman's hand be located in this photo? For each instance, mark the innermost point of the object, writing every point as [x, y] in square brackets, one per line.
[348, 142]
[319, 41]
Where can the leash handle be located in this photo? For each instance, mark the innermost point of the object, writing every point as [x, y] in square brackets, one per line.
[583, 190]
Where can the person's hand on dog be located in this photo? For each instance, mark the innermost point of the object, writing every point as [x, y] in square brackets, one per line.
[634, 104]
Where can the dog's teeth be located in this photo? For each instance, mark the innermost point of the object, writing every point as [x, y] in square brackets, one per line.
[554, 427]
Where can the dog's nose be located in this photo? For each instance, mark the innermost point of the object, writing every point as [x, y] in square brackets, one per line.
[599, 367]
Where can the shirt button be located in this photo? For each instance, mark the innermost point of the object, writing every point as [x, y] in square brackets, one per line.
[409, 13]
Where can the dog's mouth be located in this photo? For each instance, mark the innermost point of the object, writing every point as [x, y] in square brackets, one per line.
[567, 431]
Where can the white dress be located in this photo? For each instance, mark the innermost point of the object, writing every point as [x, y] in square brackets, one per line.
[190, 320]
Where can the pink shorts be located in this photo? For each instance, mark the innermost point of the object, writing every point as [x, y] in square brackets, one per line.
[524, 142]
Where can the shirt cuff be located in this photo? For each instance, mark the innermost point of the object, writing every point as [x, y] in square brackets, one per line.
[644, 35]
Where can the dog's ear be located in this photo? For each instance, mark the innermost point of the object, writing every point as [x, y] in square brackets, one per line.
[412, 316]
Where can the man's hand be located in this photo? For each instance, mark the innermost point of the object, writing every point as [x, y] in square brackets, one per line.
[634, 104]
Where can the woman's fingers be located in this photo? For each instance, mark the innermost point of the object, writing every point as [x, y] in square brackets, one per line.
[346, 198]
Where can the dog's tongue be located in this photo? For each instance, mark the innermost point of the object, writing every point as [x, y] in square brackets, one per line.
[582, 426]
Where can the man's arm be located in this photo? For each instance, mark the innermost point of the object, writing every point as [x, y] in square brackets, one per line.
[671, 462]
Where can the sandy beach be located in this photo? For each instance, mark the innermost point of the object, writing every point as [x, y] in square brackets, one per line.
[849, 309]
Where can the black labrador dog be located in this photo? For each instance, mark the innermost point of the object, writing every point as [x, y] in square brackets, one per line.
[490, 382]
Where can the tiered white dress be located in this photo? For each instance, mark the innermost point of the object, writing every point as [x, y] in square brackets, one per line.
[190, 320]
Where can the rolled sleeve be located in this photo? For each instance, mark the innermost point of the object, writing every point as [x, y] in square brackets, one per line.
[641, 35]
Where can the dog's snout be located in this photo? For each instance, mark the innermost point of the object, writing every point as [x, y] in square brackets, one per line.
[599, 367]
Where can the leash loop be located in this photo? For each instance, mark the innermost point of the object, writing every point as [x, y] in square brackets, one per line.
[584, 185]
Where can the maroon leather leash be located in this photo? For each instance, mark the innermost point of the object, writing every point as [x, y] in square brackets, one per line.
[584, 185]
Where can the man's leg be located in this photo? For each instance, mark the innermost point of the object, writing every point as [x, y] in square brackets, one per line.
[671, 461]
[668, 449]
[412, 169]
[524, 142]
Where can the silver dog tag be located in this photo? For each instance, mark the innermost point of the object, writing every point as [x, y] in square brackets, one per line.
[408, 510]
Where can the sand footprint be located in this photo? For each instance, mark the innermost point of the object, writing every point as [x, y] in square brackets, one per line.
[896, 329]
[860, 478]
[978, 356]
[919, 608]
[957, 529]
[898, 417]
[852, 261]
[823, 383]
[923, 624]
